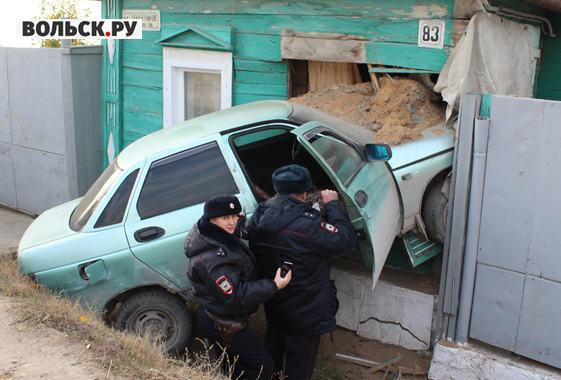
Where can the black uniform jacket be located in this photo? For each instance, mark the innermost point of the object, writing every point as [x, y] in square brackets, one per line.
[225, 281]
[285, 229]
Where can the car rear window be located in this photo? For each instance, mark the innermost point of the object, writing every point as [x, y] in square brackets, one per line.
[185, 179]
[95, 194]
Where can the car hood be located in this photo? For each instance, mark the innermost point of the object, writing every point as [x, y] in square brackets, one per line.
[51, 225]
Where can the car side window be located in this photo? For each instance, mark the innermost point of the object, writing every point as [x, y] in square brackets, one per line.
[185, 179]
[116, 207]
[343, 158]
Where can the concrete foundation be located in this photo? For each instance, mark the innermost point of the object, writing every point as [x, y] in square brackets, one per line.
[467, 362]
[390, 314]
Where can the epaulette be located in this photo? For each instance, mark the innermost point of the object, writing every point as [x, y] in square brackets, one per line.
[220, 252]
[310, 215]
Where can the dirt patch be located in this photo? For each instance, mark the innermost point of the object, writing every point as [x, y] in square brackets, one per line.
[398, 113]
[346, 342]
[41, 352]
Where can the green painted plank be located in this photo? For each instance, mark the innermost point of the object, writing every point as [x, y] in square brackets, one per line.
[144, 46]
[405, 55]
[372, 27]
[393, 70]
[248, 98]
[129, 138]
[262, 66]
[142, 78]
[258, 47]
[550, 81]
[549, 94]
[258, 89]
[411, 8]
[143, 62]
[140, 122]
[252, 77]
[551, 52]
[142, 99]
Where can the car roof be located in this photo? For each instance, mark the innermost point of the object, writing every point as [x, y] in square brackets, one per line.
[202, 126]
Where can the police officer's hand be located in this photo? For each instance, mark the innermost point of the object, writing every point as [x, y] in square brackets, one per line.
[282, 282]
[328, 196]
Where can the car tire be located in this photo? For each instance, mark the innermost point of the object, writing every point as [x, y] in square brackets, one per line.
[160, 314]
[434, 212]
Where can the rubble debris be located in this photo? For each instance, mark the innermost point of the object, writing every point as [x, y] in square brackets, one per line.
[397, 114]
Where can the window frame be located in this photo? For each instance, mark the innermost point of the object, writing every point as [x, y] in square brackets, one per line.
[177, 61]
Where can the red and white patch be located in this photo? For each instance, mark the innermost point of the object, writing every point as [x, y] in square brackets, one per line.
[329, 227]
[225, 285]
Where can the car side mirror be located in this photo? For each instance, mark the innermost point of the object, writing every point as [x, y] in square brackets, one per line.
[378, 152]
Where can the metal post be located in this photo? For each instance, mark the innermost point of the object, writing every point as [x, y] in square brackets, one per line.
[481, 136]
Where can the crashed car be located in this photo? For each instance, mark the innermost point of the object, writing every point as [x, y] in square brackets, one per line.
[122, 243]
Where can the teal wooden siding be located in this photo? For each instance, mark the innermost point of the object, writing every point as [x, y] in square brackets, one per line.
[389, 28]
[549, 80]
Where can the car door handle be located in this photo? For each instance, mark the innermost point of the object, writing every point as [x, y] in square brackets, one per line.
[148, 233]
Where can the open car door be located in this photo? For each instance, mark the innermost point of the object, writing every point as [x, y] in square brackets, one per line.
[367, 187]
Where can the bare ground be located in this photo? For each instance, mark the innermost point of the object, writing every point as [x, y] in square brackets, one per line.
[40, 352]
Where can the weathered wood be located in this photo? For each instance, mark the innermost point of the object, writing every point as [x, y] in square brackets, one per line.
[405, 55]
[261, 89]
[458, 30]
[143, 99]
[465, 9]
[426, 9]
[260, 66]
[140, 122]
[385, 364]
[129, 138]
[268, 78]
[257, 47]
[142, 62]
[372, 26]
[323, 75]
[142, 78]
[374, 79]
[248, 98]
[323, 49]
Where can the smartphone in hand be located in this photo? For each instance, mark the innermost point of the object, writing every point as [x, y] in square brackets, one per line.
[285, 268]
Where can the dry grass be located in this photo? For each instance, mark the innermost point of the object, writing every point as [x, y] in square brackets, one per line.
[121, 354]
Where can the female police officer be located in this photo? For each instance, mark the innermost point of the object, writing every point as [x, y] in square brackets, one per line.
[222, 272]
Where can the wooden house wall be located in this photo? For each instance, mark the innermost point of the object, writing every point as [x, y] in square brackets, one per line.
[259, 72]
[389, 29]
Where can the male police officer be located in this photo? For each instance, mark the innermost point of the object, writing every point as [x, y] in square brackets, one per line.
[285, 228]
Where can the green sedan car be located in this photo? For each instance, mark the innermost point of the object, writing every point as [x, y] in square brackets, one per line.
[119, 249]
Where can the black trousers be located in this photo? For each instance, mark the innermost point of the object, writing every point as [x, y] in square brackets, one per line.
[301, 353]
[252, 357]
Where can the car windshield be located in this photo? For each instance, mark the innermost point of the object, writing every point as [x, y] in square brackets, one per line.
[343, 158]
[95, 194]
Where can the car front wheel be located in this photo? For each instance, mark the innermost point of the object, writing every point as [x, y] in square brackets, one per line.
[434, 212]
[159, 315]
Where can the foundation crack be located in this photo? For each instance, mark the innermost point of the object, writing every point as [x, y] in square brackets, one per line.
[395, 323]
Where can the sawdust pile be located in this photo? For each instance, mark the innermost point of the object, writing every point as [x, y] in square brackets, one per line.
[400, 111]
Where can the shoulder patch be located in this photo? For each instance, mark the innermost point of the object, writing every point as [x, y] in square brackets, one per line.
[225, 285]
[329, 227]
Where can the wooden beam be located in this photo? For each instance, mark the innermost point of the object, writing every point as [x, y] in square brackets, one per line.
[374, 78]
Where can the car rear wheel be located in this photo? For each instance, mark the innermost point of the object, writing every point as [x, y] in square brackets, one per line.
[159, 315]
[434, 212]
